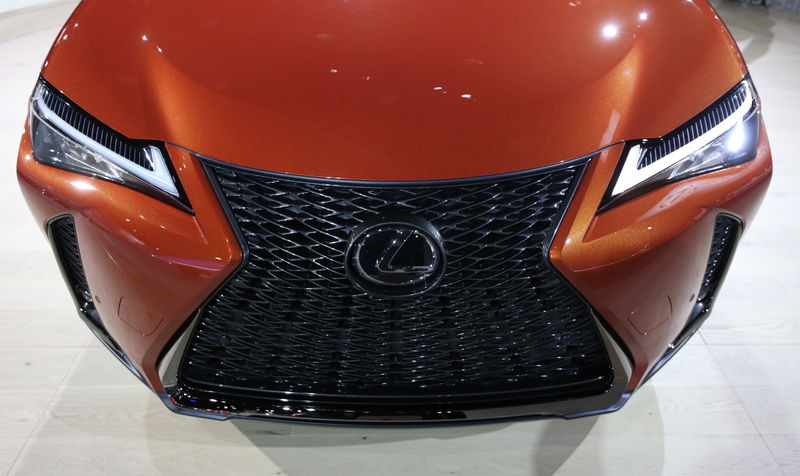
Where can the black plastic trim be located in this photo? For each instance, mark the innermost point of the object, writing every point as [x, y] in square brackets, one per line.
[450, 182]
[610, 401]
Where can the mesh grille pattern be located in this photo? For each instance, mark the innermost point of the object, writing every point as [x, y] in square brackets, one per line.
[93, 129]
[66, 243]
[500, 321]
[63, 231]
[726, 230]
[695, 128]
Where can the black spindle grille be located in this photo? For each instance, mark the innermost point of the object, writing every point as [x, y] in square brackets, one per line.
[289, 324]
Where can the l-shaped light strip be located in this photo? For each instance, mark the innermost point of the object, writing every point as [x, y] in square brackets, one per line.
[631, 176]
[160, 175]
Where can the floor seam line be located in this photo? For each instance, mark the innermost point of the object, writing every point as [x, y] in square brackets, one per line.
[44, 412]
[747, 412]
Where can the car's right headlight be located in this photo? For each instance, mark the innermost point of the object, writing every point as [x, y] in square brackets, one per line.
[65, 136]
[723, 135]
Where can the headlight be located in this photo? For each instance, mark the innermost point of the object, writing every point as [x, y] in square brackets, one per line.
[723, 135]
[65, 136]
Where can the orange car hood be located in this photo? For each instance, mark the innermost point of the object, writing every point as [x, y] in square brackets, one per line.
[393, 89]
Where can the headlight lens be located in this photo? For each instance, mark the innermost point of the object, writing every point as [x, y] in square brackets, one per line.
[66, 137]
[723, 135]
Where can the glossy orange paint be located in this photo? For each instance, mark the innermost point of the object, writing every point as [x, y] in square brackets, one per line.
[396, 89]
[393, 90]
[159, 262]
[632, 258]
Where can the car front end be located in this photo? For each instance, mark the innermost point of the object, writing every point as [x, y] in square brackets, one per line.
[406, 212]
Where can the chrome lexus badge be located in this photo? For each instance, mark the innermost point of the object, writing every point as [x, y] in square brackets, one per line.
[396, 257]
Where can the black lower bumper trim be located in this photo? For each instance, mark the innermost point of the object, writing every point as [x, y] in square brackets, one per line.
[222, 404]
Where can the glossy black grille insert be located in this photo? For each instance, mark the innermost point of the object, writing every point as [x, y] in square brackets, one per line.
[726, 231]
[62, 232]
[290, 327]
[655, 149]
[93, 129]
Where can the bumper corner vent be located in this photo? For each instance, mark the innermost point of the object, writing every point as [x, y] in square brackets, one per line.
[65, 244]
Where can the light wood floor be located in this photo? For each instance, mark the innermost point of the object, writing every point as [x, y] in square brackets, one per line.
[729, 403]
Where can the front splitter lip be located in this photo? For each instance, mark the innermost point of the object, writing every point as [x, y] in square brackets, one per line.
[393, 423]
[611, 400]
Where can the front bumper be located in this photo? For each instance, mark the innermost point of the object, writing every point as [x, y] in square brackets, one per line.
[150, 267]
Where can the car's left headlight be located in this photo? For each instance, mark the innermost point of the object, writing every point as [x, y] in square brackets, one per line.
[65, 136]
[723, 135]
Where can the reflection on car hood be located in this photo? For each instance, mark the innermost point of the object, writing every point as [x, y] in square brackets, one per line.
[391, 89]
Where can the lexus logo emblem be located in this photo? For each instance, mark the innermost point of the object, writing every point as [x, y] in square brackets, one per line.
[396, 257]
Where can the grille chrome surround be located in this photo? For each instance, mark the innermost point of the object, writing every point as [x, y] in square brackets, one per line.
[283, 331]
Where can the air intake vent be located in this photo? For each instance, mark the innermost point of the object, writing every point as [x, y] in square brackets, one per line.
[723, 243]
[726, 230]
[62, 231]
[65, 243]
